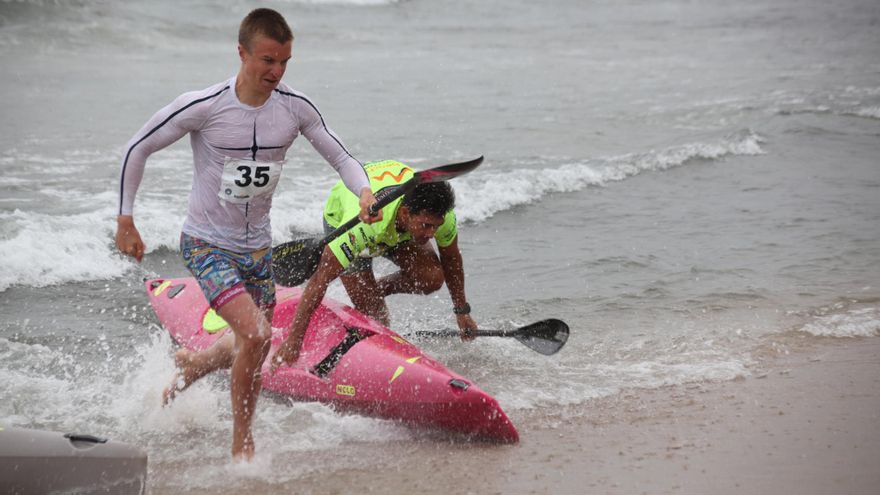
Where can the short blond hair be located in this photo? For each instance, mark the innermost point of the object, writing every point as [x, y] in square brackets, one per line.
[263, 21]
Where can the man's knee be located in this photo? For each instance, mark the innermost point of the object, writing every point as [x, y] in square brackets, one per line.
[254, 349]
[256, 339]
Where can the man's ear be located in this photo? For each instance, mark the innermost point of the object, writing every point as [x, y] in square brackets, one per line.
[403, 215]
[241, 52]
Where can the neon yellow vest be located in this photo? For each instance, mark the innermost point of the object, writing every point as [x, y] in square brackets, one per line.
[368, 240]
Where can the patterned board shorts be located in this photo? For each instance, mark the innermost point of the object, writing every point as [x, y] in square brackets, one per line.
[224, 274]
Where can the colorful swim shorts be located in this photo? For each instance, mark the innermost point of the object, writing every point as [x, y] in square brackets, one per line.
[224, 274]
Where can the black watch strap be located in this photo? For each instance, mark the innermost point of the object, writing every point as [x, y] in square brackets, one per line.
[464, 309]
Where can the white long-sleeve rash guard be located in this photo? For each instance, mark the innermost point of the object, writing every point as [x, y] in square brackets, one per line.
[250, 143]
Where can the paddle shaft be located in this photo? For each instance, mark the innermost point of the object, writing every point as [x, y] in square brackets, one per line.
[450, 332]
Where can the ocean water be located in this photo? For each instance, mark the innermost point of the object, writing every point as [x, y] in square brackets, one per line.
[692, 186]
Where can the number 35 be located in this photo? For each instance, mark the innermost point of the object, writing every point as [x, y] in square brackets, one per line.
[260, 178]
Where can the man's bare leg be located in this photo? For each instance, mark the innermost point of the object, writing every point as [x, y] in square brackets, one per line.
[191, 365]
[420, 272]
[252, 337]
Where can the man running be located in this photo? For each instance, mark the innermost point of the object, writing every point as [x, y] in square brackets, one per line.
[240, 131]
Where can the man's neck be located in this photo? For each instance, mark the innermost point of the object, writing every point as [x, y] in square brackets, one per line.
[248, 96]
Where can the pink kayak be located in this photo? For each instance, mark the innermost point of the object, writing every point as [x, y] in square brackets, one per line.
[349, 361]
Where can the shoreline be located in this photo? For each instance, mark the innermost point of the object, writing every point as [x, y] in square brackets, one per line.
[808, 424]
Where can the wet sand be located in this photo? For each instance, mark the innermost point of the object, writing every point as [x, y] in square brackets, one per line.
[807, 423]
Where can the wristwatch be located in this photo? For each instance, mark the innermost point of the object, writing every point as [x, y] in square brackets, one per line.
[464, 309]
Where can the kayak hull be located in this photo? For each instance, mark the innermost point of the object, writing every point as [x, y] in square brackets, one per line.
[349, 361]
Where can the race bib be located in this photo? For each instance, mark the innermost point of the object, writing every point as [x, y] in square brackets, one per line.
[244, 180]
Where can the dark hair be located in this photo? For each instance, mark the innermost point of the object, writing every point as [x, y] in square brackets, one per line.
[263, 21]
[436, 198]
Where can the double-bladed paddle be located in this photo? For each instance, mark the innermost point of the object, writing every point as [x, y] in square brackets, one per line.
[295, 261]
[545, 336]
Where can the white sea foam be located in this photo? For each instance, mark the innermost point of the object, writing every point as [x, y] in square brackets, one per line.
[120, 399]
[870, 112]
[864, 322]
[577, 385]
[494, 192]
[43, 249]
[281, 428]
[40, 249]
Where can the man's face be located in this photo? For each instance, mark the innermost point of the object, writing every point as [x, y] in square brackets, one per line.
[264, 64]
[422, 226]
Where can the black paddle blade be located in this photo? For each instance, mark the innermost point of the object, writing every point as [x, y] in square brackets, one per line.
[295, 261]
[447, 172]
[545, 337]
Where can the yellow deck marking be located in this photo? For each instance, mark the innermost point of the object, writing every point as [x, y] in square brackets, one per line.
[212, 322]
[400, 369]
[158, 290]
[398, 339]
[397, 373]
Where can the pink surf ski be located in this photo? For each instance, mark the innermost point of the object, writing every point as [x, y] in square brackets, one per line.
[349, 361]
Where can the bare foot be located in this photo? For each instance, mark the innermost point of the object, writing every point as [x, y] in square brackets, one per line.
[182, 378]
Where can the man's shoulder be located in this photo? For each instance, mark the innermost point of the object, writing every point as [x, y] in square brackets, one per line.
[294, 97]
[212, 92]
[224, 84]
[288, 91]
